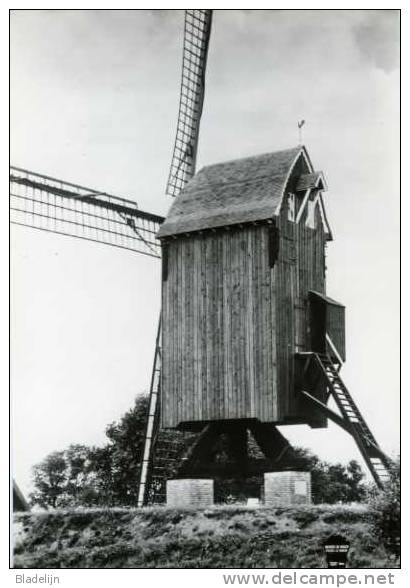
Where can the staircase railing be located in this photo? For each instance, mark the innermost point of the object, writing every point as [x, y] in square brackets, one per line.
[351, 418]
[152, 426]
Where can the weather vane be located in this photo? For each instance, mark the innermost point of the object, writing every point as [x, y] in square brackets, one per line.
[300, 125]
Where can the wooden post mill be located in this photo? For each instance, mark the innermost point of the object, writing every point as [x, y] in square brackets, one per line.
[250, 340]
[243, 292]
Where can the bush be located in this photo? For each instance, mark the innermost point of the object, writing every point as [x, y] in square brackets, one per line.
[385, 512]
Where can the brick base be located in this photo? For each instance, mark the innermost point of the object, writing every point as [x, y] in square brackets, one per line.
[287, 488]
[190, 493]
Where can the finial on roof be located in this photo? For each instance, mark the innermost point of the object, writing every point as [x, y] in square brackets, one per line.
[300, 125]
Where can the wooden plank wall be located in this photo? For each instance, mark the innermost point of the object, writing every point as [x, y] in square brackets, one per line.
[285, 310]
[335, 326]
[232, 324]
[311, 273]
[301, 268]
[219, 328]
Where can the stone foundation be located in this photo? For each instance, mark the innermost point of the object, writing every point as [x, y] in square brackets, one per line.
[287, 488]
[190, 493]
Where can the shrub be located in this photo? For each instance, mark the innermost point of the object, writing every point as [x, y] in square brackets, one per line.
[385, 512]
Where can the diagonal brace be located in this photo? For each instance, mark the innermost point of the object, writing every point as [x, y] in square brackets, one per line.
[328, 412]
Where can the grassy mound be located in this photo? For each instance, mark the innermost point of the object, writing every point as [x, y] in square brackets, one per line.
[221, 537]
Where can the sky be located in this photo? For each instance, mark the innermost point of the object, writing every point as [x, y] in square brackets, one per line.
[94, 100]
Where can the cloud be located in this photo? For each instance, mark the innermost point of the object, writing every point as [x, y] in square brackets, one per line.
[377, 39]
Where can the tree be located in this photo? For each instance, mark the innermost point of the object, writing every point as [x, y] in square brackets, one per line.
[49, 478]
[109, 475]
[385, 511]
[63, 478]
[124, 453]
[332, 482]
[118, 464]
[95, 476]
[90, 476]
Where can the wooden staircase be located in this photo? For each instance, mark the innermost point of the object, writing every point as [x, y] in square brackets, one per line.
[351, 419]
[166, 457]
[162, 452]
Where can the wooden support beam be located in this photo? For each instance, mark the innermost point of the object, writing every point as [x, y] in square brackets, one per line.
[327, 411]
[335, 351]
[198, 461]
[303, 205]
[272, 443]
[343, 424]
[200, 449]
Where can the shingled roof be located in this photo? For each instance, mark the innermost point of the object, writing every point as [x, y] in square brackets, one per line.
[238, 191]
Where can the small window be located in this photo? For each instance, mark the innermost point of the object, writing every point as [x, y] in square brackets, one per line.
[291, 207]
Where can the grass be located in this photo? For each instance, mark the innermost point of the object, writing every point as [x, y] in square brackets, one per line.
[220, 537]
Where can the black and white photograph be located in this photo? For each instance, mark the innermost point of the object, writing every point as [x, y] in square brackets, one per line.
[204, 255]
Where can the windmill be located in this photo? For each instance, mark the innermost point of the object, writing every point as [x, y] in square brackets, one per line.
[248, 338]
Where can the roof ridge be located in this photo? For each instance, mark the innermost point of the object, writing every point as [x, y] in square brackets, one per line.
[241, 182]
[249, 157]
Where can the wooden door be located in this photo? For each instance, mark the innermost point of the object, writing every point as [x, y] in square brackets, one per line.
[317, 324]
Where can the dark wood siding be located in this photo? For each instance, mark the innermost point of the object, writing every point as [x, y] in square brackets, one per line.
[311, 274]
[301, 268]
[236, 312]
[285, 310]
[219, 328]
[335, 327]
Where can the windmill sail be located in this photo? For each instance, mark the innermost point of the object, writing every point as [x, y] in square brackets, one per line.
[195, 52]
[196, 39]
[49, 204]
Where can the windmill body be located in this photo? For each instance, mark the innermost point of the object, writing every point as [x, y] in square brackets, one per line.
[243, 252]
[250, 339]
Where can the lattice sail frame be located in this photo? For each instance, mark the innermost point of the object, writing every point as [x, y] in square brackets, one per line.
[196, 41]
[53, 205]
